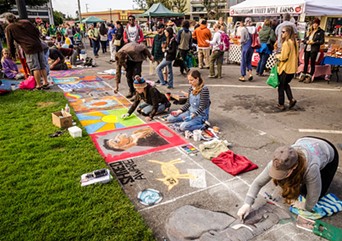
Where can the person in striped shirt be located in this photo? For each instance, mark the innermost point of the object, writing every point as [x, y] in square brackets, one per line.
[196, 110]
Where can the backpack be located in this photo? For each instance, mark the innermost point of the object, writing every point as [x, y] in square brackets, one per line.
[28, 84]
[255, 41]
[224, 42]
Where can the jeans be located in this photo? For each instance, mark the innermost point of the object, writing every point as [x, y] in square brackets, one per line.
[246, 60]
[190, 125]
[146, 108]
[284, 80]
[184, 66]
[309, 56]
[159, 69]
[96, 47]
[262, 63]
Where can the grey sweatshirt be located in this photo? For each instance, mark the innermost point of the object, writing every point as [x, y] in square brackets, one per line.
[318, 154]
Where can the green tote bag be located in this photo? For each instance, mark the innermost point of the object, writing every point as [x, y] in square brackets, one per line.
[273, 78]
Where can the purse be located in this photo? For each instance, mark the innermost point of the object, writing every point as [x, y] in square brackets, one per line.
[273, 80]
[117, 42]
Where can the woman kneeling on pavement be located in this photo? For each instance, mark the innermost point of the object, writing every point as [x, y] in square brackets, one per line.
[306, 168]
[154, 101]
[196, 110]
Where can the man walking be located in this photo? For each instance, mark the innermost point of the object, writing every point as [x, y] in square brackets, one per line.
[201, 34]
[184, 39]
[132, 32]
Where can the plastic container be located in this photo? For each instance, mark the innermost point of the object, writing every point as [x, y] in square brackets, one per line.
[75, 131]
[67, 108]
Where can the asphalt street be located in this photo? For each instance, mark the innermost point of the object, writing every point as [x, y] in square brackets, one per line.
[246, 115]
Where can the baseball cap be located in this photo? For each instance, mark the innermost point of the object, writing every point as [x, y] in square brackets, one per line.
[248, 20]
[284, 159]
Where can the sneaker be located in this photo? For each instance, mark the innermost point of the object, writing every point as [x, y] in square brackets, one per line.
[301, 77]
[280, 107]
[242, 79]
[250, 78]
[212, 76]
[308, 79]
[170, 87]
[157, 82]
[292, 103]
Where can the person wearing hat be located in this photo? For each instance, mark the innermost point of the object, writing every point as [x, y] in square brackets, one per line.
[154, 101]
[313, 41]
[171, 24]
[306, 168]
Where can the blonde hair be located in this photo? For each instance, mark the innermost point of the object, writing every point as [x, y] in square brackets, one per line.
[4, 50]
[291, 185]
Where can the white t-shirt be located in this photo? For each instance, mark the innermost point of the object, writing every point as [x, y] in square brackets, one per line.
[132, 33]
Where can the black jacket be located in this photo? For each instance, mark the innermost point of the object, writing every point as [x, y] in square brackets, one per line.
[171, 50]
[318, 40]
[153, 97]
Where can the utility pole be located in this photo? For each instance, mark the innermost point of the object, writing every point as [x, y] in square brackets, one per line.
[87, 7]
[50, 12]
[110, 13]
[21, 9]
[79, 11]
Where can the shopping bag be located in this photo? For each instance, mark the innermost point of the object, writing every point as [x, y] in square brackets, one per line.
[273, 78]
[28, 84]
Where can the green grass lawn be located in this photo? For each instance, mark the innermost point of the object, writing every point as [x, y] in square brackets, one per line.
[40, 196]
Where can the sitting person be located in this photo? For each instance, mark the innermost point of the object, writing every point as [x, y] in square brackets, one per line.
[306, 168]
[57, 60]
[10, 69]
[154, 101]
[196, 110]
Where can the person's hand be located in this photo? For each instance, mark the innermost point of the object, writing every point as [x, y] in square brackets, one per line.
[192, 115]
[207, 41]
[125, 116]
[147, 118]
[152, 58]
[176, 112]
[298, 204]
[244, 211]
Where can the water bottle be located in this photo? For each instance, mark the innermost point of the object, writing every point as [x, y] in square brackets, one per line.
[67, 108]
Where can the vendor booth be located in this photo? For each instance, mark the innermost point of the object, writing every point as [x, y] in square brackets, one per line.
[157, 10]
[330, 12]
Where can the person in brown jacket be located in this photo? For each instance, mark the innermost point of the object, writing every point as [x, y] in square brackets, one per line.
[201, 34]
[130, 57]
[27, 36]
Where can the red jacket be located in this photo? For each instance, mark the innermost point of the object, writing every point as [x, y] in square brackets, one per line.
[139, 38]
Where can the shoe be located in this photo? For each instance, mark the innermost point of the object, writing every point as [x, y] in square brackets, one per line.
[170, 87]
[308, 79]
[292, 103]
[46, 86]
[56, 134]
[157, 82]
[130, 95]
[250, 78]
[218, 77]
[280, 107]
[301, 77]
[38, 88]
[212, 76]
[242, 79]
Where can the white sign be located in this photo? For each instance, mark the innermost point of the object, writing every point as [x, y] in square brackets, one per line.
[274, 10]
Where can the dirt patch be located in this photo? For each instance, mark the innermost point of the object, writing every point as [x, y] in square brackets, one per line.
[254, 104]
[45, 104]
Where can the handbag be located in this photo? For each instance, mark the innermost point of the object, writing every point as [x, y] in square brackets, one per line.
[273, 80]
[117, 42]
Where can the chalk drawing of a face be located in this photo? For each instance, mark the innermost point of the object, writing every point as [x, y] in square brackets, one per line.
[171, 173]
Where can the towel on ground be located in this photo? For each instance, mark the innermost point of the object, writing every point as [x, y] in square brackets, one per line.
[233, 163]
[326, 206]
[211, 149]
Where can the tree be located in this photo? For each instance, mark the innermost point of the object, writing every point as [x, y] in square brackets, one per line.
[213, 8]
[179, 5]
[58, 17]
[141, 3]
[6, 5]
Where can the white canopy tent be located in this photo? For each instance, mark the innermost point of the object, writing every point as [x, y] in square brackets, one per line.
[294, 7]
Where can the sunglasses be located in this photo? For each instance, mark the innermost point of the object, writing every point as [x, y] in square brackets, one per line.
[130, 19]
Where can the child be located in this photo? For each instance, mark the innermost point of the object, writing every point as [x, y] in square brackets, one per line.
[10, 69]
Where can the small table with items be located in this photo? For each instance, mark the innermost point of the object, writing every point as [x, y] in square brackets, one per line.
[335, 63]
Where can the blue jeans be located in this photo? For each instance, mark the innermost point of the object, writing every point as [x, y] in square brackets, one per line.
[190, 125]
[246, 59]
[262, 63]
[146, 108]
[160, 72]
[96, 47]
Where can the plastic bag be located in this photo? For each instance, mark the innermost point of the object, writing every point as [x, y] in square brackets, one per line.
[273, 78]
[28, 84]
